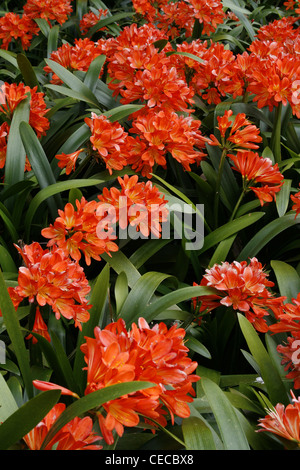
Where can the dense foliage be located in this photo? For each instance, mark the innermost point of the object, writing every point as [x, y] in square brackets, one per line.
[149, 225]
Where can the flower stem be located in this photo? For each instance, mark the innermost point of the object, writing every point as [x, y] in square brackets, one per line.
[218, 186]
[238, 204]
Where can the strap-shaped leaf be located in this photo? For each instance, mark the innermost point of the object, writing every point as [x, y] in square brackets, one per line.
[91, 401]
[288, 279]
[269, 373]
[231, 431]
[26, 418]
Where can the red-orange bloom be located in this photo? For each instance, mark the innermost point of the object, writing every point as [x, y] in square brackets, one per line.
[52, 278]
[90, 19]
[258, 170]
[155, 354]
[13, 26]
[78, 434]
[58, 10]
[12, 94]
[68, 161]
[290, 354]
[109, 140]
[210, 14]
[39, 327]
[76, 232]
[284, 421]
[243, 287]
[296, 200]
[138, 204]
[237, 133]
[162, 133]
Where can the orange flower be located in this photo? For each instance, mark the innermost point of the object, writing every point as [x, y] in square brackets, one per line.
[210, 14]
[258, 170]
[50, 277]
[77, 57]
[91, 19]
[76, 232]
[68, 161]
[39, 327]
[13, 94]
[289, 352]
[78, 434]
[242, 134]
[243, 287]
[13, 26]
[163, 133]
[109, 140]
[137, 203]
[284, 421]
[296, 200]
[155, 354]
[58, 10]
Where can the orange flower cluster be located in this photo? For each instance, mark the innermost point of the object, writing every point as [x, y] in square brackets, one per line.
[241, 286]
[109, 140]
[162, 133]
[78, 434]
[75, 232]
[258, 170]
[283, 421]
[155, 354]
[137, 204]
[77, 57]
[209, 13]
[57, 10]
[90, 19]
[14, 26]
[10, 96]
[236, 134]
[174, 17]
[288, 321]
[296, 200]
[52, 278]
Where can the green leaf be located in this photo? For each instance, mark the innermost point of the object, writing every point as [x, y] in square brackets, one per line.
[15, 154]
[39, 163]
[197, 435]
[140, 295]
[119, 262]
[8, 404]
[173, 298]
[6, 262]
[107, 21]
[121, 291]
[52, 40]
[75, 85]
[269, 373]
[229, 229]
[99, 294]
[26, 418]
[93, 72]
[15, 334]
[27, 71]
[231, 431]
[287, 278]
[91, 401]
[195, 345]
[266, 234]
[283, 197]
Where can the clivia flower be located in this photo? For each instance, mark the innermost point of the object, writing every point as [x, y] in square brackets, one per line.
[243, 287]
[157, 355]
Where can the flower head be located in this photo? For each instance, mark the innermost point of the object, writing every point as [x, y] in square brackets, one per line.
[243, 287]
[58, 10]
[15, 27]
[52, 278]
[283, 421]
[78, 434]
